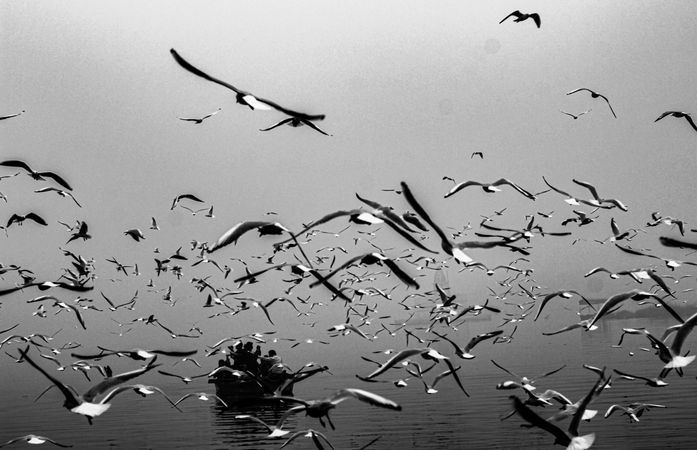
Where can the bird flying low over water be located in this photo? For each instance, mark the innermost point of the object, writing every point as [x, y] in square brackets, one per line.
[570, 438]
[34, 439]
[519, 17]
[595, 95]
[679, 114]
[36, 175]
[320, 408]
[84, 404]
[243, 97]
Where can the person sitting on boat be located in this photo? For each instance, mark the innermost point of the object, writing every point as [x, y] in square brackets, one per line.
[246, 360]
[268, 361]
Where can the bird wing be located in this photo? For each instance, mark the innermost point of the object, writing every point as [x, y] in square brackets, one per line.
[667, 113]
[36, 218]
[690, 121]
[578, 90]
[277, 124]
[481, 337]
[396, 359]
[364, 396]
[458, 187]
[16, 163]
[588, 186]
[315, 127]
[555, 189]
[514, 13]
[57, 179]
[536, 17]
[234, 233]
[115, 380]
[682, 333]
[71, 400]
[531, 417]
[501, 181]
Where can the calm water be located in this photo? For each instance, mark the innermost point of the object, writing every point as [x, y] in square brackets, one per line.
[447, 419]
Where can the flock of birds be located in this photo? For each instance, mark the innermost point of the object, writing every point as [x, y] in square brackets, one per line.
[351, 277]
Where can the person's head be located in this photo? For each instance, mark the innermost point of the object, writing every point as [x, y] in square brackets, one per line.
[248, 346]
[272, 352]
[238, 346]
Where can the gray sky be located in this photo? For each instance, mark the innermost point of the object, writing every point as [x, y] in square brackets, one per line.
[410, 90]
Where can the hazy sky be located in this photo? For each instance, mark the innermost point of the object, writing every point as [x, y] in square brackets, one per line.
[410, 89]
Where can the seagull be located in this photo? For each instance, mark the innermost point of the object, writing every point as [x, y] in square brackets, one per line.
[519, 17]
[489, 187]
[243, 97]
[80, 233]
[199, 120]
[575, 116]
[135, 233]
[233, 234]
[19, 219]
[186, 380]
[153, 224]
[525, 382]
[201, 396]
[312, 434]
[9, 117]
[33, 438]
[563, 294]
[635, 295]
[679, 114]
[136, 354]
[601, 201]
[321, 408]
[275, 431]
[594, 95]
[83, 404]
[570, 439]
[465, 353]
[295, 122]
[480, 154]
[181, 197]
[653, 382]
[34, 174]
[426, 353]
[633, 410]
[60, 192]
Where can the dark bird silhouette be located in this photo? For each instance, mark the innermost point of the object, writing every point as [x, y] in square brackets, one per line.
[575, 116]
[519, 17]
[199, 120]
[18, 219]
[36, 175]
[679, 114]
[595, 95]
[9, 117]
[243, 97]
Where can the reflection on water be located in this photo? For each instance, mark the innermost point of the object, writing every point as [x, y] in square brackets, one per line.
[447, 419]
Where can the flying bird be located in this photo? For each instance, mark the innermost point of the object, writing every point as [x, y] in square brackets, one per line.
[199, 120]
[243, 97]
[33, 438]
[679, 114]
[519, 17]
[36, 175]
[60, 192]
[295, 122]
[595, 95]
[9, 117]
[575, 116]
[19, 219]
[490, 187]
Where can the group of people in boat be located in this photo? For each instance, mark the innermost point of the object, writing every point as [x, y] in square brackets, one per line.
[244, 358]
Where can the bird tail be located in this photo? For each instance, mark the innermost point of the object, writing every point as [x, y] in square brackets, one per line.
[581, 442]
